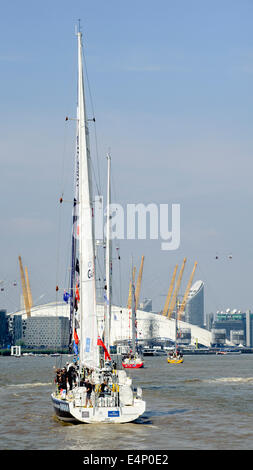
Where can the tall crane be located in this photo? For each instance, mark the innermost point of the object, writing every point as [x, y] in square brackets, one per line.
[183, 304]
[167, 302]
[174, 298]
[24, 288]
[29, 292]
[138, 284]
[129, 302]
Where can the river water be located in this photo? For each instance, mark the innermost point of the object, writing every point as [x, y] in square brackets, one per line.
[206, 403]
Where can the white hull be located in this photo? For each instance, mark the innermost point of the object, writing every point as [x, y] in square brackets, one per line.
[67, 411]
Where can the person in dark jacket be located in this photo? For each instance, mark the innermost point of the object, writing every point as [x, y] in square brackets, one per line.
[89, 388]
[71, 375]
[63, 379]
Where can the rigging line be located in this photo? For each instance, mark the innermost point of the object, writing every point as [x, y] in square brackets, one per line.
[96, 146]
[93, 112]
[62, 184]
[58, 241]
[120, 283]
[118, 242]
[100, 269]
[94, 174]
[62, 179]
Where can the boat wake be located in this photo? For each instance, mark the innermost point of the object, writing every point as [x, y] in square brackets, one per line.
[29, 385]
[229, 380]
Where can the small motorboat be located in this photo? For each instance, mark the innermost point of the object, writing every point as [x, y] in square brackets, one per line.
[133, 362]
[174, 359]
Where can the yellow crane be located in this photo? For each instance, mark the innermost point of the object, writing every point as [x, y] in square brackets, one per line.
[174, 298]
[24, 288]
[29, 292]
[183, 304]
[138, 284]
[129, 302]
[167, 302]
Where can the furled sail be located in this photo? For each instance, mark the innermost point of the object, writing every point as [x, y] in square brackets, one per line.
[88, 351]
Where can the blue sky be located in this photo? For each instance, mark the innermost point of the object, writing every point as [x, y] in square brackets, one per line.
[171, 84]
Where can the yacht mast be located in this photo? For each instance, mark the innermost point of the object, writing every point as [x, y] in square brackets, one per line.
[133, 318]
[108, 258]
[88, 314]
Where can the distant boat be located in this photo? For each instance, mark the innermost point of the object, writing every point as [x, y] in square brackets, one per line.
[175, 357]
[133, 360]
[149, 352]
[154, 352]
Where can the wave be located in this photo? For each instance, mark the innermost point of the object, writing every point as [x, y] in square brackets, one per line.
[230, 380]
[195, 379]
[27, 385]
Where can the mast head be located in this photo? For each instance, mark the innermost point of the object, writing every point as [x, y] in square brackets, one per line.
[78, 31]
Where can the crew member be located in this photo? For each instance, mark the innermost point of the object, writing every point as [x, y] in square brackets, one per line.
[89, 388]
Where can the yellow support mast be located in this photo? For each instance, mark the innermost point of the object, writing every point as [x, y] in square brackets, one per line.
[183, 304]
[24, 288]
[29, 292]
[138, 284]
[167, 303]
[174, 298]
[129, 302]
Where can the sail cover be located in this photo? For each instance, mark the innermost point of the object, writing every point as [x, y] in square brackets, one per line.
[88, 348]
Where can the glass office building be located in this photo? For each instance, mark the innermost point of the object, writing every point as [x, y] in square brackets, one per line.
[194, 310]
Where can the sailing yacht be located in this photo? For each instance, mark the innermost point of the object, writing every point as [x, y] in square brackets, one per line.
[133, 360]
[175, 357]
[118, 402]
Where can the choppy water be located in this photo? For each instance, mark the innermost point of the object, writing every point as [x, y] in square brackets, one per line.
[204, 403]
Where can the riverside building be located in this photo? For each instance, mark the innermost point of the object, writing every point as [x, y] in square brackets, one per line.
[194, 310]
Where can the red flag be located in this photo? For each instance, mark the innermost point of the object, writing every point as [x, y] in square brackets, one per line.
[76, 337]
[77, 294]
[100, 343]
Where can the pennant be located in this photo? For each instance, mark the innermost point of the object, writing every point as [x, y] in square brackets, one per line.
[77, 294]
[100, 343]
[76, 337]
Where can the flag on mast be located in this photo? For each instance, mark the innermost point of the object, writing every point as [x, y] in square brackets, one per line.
[100, 343]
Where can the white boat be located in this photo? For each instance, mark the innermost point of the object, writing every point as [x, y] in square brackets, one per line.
[120, 403]
[154, 352]
[133, 360]
[149, 352]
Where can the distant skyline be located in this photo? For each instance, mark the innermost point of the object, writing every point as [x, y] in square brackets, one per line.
[171, 86]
